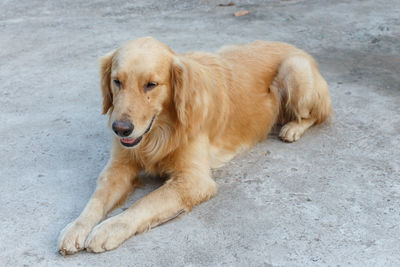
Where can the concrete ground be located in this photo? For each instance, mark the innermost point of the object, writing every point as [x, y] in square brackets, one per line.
[330, 199]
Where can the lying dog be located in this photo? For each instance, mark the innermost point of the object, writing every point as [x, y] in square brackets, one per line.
[182, 115]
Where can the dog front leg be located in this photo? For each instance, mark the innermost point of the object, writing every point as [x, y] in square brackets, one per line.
[189, 185]
[115, 182]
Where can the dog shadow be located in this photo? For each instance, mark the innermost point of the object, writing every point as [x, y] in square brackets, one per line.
[147, 184]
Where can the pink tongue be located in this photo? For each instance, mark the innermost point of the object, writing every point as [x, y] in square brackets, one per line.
[129, 141]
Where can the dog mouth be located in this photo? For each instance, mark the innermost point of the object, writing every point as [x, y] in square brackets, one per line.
[131, 142]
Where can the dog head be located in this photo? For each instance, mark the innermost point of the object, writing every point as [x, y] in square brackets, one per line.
[141, 80]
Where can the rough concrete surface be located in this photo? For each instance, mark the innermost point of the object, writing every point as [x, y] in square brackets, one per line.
[330, 199]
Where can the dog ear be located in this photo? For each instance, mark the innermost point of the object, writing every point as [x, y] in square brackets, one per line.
[179, 80]
[105, 83]
[189, 92]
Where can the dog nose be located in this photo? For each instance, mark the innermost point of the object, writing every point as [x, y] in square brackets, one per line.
[122, 128]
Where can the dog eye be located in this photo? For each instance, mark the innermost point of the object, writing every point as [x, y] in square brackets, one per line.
[117, 83]
[149, 86]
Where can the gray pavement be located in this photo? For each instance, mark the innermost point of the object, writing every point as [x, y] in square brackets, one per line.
[330, 199]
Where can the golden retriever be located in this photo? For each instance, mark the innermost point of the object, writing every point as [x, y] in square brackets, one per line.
[183, 114]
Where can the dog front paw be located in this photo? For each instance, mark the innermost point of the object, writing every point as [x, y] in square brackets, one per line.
[72, 238]
[108, 235]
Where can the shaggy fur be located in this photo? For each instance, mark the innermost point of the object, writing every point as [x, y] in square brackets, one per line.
[190, 112]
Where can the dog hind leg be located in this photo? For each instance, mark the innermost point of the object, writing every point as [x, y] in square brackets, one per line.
[304, 96]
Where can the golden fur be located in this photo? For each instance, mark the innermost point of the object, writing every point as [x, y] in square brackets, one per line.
[206, 109]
